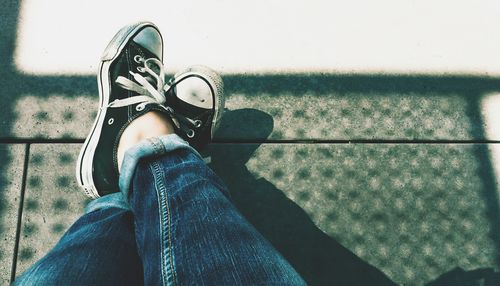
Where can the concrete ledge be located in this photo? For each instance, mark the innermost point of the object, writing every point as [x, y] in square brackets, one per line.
[301, 107]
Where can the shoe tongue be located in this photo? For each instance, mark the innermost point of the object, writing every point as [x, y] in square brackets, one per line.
[149, 38]
[152, 80]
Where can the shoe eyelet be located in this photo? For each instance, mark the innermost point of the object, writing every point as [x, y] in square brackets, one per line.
[190, 133]
[138, 59]
[197, 123]
[110, 121]
[141, 69]
[140, 107]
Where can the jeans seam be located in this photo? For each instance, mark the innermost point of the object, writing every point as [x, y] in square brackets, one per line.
[167, 263]
[158, 147]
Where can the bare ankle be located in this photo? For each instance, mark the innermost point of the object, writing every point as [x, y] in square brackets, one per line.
[151, 124]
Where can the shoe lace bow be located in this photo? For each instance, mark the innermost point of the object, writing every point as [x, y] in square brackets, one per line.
[148, 93]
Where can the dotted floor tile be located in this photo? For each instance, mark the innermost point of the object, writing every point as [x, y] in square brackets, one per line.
[12, 158]
[52, 201]
[364, 116]
[413, 211]
[55, 116]
[305, 116]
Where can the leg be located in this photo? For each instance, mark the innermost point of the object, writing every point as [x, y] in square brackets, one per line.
[98, 249]
[201, 238]
[187, 230]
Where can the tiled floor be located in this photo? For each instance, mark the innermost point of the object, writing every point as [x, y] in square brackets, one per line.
[414, 211]
[412, 208]
[346, 174]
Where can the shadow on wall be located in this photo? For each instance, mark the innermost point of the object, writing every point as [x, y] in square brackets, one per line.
[317, 257]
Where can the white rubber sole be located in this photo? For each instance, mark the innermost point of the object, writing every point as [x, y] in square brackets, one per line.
[84, 165]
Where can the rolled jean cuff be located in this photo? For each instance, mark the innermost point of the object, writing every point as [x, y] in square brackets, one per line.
[114, 200]
[151, 147]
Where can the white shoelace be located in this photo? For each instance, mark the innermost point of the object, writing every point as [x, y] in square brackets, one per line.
[150, 94]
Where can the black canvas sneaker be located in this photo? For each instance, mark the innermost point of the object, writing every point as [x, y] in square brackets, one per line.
[197, 95]
[131, 82]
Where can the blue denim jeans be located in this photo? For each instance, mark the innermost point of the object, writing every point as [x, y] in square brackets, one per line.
[172, 224]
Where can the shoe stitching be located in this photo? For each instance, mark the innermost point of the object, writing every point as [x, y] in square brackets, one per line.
[158, 147]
